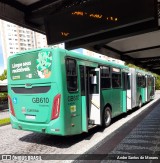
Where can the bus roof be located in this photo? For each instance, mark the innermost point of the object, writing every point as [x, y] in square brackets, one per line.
[144, 72]
[28, 51]
[94, 59]
[75, 55]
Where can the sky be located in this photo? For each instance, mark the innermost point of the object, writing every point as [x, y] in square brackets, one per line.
[1, 58]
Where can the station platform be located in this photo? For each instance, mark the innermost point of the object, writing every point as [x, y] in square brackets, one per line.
[137, 140]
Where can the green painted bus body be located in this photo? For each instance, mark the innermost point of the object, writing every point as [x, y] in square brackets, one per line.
[143, 95]
[141, 90]
[72, 116]
[146, 92]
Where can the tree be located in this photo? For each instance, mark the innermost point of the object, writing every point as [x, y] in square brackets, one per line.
[4, 75]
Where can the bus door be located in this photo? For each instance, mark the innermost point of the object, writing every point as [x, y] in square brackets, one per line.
[153, 87]
[84, 97]
[94, 97]
[148, 88]
[126, 91]
[128, 86]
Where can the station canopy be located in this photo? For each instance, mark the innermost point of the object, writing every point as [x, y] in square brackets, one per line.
[130, 29]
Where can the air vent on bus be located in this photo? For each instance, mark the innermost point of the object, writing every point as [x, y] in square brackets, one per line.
[33, 90]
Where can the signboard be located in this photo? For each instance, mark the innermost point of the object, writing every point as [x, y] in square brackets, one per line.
[32, 65]
[97, 16]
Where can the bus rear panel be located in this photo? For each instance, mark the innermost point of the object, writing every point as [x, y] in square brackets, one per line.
[35, 93]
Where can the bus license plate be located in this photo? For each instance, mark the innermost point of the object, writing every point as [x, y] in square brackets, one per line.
[30, 117]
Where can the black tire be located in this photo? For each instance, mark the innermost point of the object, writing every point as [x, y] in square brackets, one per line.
[140, 103]
[107, 116]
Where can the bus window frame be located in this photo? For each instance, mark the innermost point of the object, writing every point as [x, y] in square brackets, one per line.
[125, 80]
[143, 77]
[70, 58]
[113, 72]
[141, 82]
[128, 82]
[82, 80]
[101, 67]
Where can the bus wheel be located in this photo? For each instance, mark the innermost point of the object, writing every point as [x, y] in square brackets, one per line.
[140, 103]
[106, 117]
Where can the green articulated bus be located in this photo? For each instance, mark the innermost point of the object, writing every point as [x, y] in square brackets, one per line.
[60, 92]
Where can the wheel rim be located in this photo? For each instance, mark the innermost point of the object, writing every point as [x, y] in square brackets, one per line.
[107, 116]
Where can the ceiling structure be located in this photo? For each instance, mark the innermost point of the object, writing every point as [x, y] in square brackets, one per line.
[129, 29]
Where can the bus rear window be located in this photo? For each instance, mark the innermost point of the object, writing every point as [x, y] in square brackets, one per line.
[31, 65]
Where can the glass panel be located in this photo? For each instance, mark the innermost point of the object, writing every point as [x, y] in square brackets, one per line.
[116, 80]
[94, 86]
[71, 75]
[128, 82]
[105, 77]
[82, 77]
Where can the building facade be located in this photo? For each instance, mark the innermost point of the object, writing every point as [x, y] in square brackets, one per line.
[16, 39]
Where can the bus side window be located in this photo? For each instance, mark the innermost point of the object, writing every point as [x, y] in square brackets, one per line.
[71, 73]
[82, 77]
[128, 82]
[140, 81]
[149, 81]
[143, 82]
[116, 78]
[94, 83]
[105, 77]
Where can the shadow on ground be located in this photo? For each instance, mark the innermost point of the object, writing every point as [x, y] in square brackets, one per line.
[67, 141]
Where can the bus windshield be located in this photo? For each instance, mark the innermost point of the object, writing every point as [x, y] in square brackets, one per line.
[31, 65]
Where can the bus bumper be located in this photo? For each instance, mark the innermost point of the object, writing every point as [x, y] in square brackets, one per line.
[50, 128]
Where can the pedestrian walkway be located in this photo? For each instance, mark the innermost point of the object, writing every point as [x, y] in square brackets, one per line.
[139, 137]
[144, 139]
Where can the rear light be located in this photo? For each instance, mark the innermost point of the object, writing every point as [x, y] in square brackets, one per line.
[11, 106]
[56, 107]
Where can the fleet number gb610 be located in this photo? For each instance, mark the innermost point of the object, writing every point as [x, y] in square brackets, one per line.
[40, 100]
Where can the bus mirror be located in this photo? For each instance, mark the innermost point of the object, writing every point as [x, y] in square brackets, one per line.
[93, 79]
